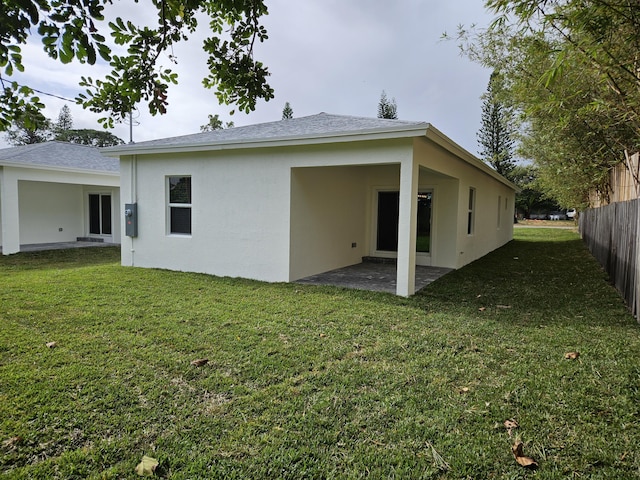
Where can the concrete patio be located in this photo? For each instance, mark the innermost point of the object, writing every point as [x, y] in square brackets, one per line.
[41, 247]
[378, 277]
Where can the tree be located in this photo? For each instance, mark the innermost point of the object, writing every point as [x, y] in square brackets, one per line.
[530, 198]
[215, 124]
[287, 111]
[62, 131]
[65, 120]
[570, 68]
[496, 134]
[387, 108]
[29, 129]
[89, 136]
[75, 29]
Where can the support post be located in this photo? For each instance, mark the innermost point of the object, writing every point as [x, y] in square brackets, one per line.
[407, 225]
[9, 212]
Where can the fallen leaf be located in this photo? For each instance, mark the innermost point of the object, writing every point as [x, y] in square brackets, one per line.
[510, 425]
[147, 466]
[482, 309]
[51, 344]
[200, 362]
[526, 462]
[479, 295]
[464, 390]
[322, 335]
[571, 355]
[12, 442]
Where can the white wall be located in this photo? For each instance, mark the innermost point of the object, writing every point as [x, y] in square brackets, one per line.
[328, 215]
[50, 212]
[49, 200]
[0, 213]
[487, 236]
[282, 213]
[240, 214]
[244, 202]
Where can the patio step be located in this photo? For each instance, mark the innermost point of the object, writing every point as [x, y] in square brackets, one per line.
[384, 260]
[90, 239]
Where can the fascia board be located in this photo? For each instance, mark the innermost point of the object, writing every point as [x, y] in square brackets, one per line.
[33, 166]
[445, 142]
[365, 135]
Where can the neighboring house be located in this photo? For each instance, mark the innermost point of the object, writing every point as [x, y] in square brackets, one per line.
[285, 200]
[57, 192]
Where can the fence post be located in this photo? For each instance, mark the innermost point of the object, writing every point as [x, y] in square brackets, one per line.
[635, 306]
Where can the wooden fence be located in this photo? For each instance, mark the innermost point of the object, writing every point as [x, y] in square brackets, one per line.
[611, 233]
[624, 182]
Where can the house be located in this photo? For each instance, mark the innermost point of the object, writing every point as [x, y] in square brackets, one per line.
[57, 192]
[284, 200]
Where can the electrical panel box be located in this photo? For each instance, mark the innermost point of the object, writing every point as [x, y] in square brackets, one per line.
[131, 219]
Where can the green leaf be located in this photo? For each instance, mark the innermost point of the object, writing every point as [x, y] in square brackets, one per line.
[147, 466]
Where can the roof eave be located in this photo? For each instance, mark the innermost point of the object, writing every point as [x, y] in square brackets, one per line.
[34, 166]
[445, 142]
[365, 135]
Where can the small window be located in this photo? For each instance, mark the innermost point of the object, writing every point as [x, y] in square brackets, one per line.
[179, 205]
[471, 211]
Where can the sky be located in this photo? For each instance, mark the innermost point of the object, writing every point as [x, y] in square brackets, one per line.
[333, 56]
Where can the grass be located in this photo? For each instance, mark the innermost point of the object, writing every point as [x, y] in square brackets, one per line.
[317, 382]
[547, 223]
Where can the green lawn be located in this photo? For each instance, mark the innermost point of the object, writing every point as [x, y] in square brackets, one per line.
[318, 382]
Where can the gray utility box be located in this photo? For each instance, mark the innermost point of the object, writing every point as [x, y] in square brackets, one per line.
[131, 219]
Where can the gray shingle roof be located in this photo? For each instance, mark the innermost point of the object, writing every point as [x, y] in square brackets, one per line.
[322, 124]
[59, 155]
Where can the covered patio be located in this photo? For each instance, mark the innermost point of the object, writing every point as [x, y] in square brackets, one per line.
[374, 276]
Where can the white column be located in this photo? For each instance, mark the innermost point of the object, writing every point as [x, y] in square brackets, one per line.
[407, 224]
[9, 212]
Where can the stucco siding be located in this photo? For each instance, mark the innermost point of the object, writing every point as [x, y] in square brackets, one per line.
[328, 219]
[50, 212]
[47, 206]
[486, 235]
[0, 209]
[444, 217]
[280, 213]
[240, 214]
[265, 214]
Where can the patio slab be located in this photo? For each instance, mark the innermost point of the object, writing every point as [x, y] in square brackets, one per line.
[378, 277]
[41, 247]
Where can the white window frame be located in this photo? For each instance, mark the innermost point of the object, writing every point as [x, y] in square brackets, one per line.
[177, 205]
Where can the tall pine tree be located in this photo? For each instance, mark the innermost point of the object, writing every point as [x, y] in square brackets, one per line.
[387, 108]
[65, 120]
[496, 134]
[287, 111]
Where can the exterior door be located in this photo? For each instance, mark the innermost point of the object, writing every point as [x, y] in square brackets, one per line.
[100, 214]
[388, 215]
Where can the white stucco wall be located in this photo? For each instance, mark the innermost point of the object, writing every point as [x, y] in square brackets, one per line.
[265, 214]
[50, 212]
[328, 216]
[240, 214]
[283, 213]
[486, 236]
[0, 211]
[39, 202]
